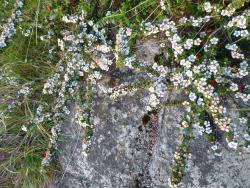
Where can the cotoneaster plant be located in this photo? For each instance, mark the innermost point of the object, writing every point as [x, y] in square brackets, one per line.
[68, 47]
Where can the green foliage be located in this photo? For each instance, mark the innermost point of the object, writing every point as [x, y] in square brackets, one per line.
[6, 8]
[130, 14]
[27, 60]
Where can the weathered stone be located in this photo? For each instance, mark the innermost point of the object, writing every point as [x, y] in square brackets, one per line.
[148, 50]
[207, 170]
[125, 151]
[133, 148]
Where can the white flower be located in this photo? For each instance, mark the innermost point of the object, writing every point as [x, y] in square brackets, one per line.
[238, 21]
[243, 121]
[213, 67]
[192, 58]
[237, 55]
[2, 43]
[208, 129]
[241, 33]
[91, 23]
[128, 32]
[208, 7]
[232, 47]
[178, 49]
[200, 101]
[202, 34]
[24, 128]
[196, 22]
[207, 18]
[24, 91]
[189, 73]
[214, 40]
[70, 19]
[241, 22]
[108, 13]
[66, 110]
[61, 44]
[197, 42]
[18, 13]
[214, 147]
[198, 130]
[227, 12]
[189, 44]
[20, 4]
[183, 20]
[129, 60]
[192, 96]
[233, 145]
[185, 63]
[234, 87]
[247, 137]
[153, 100]
[167, 33]
[162, 4]
[176, 38]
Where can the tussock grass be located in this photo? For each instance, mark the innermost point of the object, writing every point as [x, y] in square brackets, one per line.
[26, 60]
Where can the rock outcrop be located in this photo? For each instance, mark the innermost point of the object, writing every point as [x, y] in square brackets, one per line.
[133, 148]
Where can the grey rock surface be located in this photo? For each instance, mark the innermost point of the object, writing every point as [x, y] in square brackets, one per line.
[230, 170]
[207, 170]
[132, 148]
[147, 51]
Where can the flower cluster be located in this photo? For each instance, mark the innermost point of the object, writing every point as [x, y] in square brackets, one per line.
[198, 65]
[122, 41]
[201, 77]
[9, 28]
[64, 83]
[196, 69]
[201, 72]
[162, 4]
[158, 93]
[238, 21]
